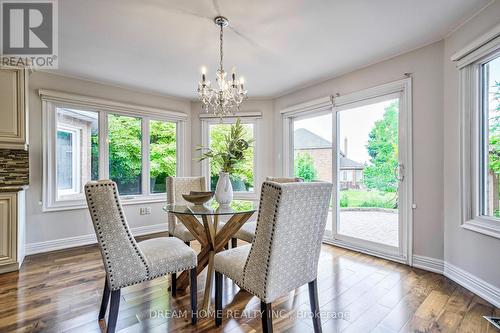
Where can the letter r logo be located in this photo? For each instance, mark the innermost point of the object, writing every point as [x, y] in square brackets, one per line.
[27, 27]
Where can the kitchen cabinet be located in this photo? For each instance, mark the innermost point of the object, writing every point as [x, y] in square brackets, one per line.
[13, 108]
[11, 230]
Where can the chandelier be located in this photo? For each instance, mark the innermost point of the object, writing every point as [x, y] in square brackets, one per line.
[227, 97]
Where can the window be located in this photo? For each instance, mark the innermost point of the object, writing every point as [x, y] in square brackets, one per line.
[66, 166]
[479, 70]
[312, 147]
[245, 176]
[136, 147]
[76, 151]
[125, 153]
[162, 154]
[489, 143]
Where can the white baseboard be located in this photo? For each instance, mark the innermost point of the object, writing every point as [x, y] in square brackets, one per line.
[66, 243]
[428, 264]
[478, 286]
[467, 280]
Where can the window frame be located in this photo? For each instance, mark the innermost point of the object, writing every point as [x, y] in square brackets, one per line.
[51, 100]
[253, 119]
[470, 63]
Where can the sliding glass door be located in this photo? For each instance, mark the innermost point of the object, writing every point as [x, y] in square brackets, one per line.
[361, 143]
[369, 175]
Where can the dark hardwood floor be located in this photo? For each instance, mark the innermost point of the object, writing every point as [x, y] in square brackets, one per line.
[61, 292]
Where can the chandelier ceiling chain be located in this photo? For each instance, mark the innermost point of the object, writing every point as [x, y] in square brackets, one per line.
[221, 48]
[229, 94]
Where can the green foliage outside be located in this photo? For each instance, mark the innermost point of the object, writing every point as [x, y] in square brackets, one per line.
[344, 200]
[383, 150]
[162, 154]
[94, 160]
[125, 158]
[304, 167]
[125, 153]
[231, 151]
[370, 198]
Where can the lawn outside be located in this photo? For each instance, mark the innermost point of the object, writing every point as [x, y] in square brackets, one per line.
[367, 198]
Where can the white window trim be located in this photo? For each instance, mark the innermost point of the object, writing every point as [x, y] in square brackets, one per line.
[55, 99]
[76, 147]
[253, 118]
[469, 62]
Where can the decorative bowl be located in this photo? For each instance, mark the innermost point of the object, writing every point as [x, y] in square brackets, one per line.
[198, 198]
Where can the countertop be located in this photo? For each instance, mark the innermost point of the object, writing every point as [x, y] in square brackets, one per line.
[13, 188]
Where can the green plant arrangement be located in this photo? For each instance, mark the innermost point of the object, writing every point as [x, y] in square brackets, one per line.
[228, 155]
[231, 154]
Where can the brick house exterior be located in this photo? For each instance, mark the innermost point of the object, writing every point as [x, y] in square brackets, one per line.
[320, 149]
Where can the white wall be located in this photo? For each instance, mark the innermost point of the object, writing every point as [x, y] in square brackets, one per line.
[427, 68]
[473, 252]
[49, 226]
[265, 151]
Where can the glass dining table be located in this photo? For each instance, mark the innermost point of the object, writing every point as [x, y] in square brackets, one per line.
[212, 236]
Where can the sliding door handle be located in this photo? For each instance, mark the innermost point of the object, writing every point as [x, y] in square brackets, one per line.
[399, 172]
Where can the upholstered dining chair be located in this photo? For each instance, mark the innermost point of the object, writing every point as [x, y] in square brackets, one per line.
[247, 231]
[285, 251]
[126, 261]
[176, 187]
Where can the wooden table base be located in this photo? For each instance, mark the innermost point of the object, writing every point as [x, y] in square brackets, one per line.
[212, 241]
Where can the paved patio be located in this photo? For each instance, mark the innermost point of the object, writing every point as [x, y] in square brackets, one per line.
[372, 225]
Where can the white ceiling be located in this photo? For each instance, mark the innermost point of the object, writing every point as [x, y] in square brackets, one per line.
[280, 45]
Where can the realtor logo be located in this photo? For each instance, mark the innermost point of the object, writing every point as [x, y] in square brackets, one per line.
[29, 33]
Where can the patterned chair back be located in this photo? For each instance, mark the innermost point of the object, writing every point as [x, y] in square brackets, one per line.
[290, 227]
[176, 187]
[283, 180]
[123, 260]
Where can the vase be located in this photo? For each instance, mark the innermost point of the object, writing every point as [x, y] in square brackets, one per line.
[224, 189]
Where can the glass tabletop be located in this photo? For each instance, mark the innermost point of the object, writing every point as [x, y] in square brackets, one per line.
[213, 208]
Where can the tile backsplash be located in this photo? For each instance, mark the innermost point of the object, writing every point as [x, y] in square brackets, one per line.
[14, 167]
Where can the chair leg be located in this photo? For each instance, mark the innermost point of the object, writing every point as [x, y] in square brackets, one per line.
[313, 299]
[194, 302]
[113, 311]
[105, 300]
[267, 317]
[174, 285]
[218, 298]
[234, 243]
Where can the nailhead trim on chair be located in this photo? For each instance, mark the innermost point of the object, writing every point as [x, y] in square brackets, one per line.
[120, 211]
[129, 235]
